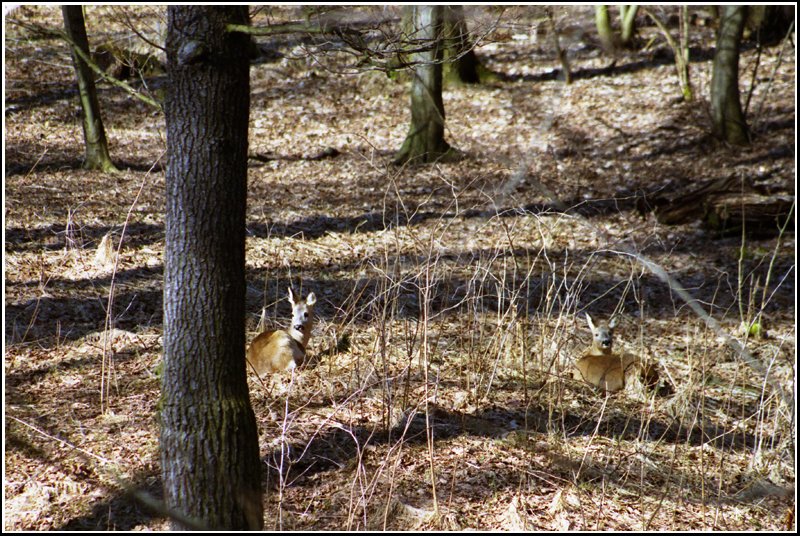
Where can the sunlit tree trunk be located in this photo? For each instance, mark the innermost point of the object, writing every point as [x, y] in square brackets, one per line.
[627, 21]
[209, 441]
[94, 135]
[726, 109]
[603, 23]
[679, 48]
[425, 139]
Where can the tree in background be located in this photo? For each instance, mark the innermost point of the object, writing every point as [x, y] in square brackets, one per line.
[610, 40]
[97, 156]
[561, 54]
[425, 139]
[768, 25]
[627, 17]
[726, 109]
[461, 63]
[209, 442]
[680, 47]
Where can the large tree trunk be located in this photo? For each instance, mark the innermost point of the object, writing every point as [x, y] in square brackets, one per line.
[726, 109]
[209, 441]
[425, 140]
[94, 134]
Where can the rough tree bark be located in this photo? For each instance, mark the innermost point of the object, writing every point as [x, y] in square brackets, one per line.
[425, 139]
[94, 135]
[726, 109]
[209, 441]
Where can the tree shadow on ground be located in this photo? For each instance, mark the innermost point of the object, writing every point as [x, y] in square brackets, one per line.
[658, 58]
[118, 511]
[74, 308]
[69, 159]
[54, 237]
[123, 511]
[339, 446]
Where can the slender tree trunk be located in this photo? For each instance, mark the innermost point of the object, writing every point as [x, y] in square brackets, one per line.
[627, 22]
[566, 71]
[209, 440]
[726, 109]
[425, 140]
[94, 134]
[604, 31]
[679, 48]
[682, 54]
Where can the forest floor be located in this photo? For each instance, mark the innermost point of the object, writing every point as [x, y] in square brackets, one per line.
[451, 297]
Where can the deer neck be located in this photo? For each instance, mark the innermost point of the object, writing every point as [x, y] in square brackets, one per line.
[301, 337]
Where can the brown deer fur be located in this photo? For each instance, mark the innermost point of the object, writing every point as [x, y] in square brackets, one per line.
[602, 367]
[278, 350]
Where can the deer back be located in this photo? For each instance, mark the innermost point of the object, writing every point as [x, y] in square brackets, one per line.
[274, 351]
[606, 371]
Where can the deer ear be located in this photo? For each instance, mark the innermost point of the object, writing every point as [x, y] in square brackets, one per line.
[589, 321]
[311, 299]
[612, 323]
[291, 296]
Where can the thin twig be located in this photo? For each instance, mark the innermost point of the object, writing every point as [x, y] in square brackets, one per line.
[110, 302]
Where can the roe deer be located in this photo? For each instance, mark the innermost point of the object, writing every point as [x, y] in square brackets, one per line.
[278, 350]
[603, 368]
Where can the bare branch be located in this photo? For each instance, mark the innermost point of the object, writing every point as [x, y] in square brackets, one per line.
[49, 32]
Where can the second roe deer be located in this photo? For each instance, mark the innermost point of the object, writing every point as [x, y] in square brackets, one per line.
[278, 350]
[604, 368]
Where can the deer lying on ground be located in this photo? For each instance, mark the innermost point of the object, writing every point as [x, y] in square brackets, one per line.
[602, 367]
[278, 350]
